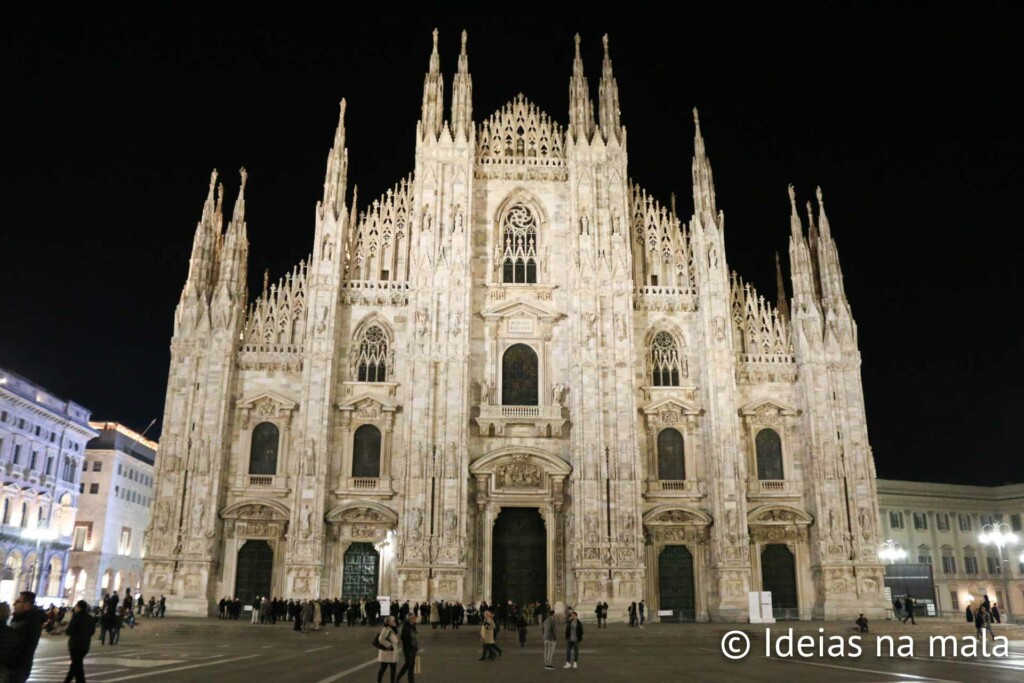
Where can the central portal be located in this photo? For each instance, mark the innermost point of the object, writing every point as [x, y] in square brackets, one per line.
[519, 560]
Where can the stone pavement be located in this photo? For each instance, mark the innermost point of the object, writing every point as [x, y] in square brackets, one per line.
[228, 652]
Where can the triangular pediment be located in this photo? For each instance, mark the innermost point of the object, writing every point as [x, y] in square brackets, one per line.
[368, 405]
[521, 133]
[769, 405]
[519, 308]
[671, 404]
[267, 397]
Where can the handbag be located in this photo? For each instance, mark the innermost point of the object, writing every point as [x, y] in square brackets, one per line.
[376, 643]
[416, 667]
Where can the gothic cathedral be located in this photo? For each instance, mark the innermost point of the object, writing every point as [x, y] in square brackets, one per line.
[516, 376]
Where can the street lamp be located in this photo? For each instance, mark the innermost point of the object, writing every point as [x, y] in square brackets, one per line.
[892, 552]
[39, 534]
[1000, 534]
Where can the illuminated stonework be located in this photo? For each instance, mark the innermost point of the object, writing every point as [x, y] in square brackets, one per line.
[512, 326]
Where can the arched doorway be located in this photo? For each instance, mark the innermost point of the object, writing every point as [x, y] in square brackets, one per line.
[255, 571]
[519, 556]
[361, 572]
[778, 575]
[676, 583]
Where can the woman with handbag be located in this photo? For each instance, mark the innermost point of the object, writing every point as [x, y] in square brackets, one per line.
[387, 642]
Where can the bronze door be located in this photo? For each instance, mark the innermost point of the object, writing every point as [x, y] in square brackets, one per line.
[676, 584]
[360, 573]
[778, 575]
[255, 570]
[519, 566]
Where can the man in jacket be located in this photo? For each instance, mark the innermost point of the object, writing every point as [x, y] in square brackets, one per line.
[573, 638]
[27, 623]
[548, 631]
[79, 632]
[410, 646]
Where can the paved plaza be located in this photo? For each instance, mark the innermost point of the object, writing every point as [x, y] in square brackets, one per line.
[226, 652]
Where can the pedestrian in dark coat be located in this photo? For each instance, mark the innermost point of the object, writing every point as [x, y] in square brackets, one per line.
[7, 637]
[410, 647]
[80, 631]
[573, 638]
[27, 623]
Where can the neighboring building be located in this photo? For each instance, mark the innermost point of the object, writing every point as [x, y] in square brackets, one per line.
[42, 443]
[113, 511]
[940, 525]
[517, 375]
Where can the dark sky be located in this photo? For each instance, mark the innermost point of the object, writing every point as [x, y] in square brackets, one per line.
[906, 118]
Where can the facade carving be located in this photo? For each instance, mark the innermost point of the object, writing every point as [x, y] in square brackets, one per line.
[516, 325]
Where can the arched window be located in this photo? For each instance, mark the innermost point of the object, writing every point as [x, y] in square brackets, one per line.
[372, 363]
[366, 452]
[769, 454]
[24, 514]
[6, 511]
[671, 465]
[666, 367]
[519, 245]
[519, 384]
[263, 452]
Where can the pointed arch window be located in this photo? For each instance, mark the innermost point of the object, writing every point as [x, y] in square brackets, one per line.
[671, 463]
[263, 451]
[769, 455]
[666, 365]
[519, 245]
[372, 362]
[366, 452]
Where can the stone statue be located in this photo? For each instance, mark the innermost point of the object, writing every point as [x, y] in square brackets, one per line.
[415, 522]
[458, 219]
[422, 321]
[584, 223]
[590, 318]
[311, 459]
[162, 516]
[426, 218]
[306, 521]
[558, 393]
[620, 326]
[592, 531]
[485, 393]
[198, 509]
[451, 523]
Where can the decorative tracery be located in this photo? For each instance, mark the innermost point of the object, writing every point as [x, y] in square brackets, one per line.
[372, 359]
[666, 365]
[519, 245]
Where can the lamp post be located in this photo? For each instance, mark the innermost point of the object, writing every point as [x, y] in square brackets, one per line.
[1000, 534]
[39, 534]
[892, 552]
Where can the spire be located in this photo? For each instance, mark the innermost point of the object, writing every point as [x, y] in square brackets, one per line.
[462, 96]
[780, 289]
[608, 91]
[827, 256]
[703, 182]
[801, 270]
[581, 109]
[337, 170]
[235, 253]
[432, 116]
[203, 262]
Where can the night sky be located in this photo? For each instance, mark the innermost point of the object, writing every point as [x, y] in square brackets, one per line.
[907, 119]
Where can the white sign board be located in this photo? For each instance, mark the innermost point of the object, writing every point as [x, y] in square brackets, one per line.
[767, 615]
[385, 604]
[665, 613]
[755, 607]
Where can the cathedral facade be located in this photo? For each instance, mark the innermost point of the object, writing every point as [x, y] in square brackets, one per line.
[516, 375]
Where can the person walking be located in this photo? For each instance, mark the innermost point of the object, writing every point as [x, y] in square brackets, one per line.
[27, 623]
[388, 643]
[642, 608]
[487, 630]
[908, 605]
[597, 613]
[548, 631]
[410, 647]
[521, 626]
[573, 638]
[79, 631]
